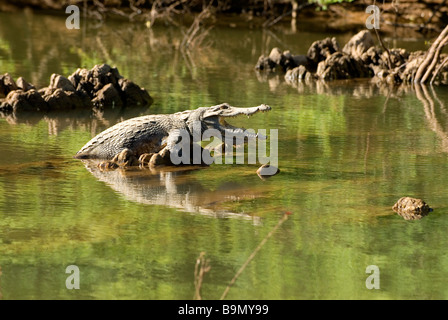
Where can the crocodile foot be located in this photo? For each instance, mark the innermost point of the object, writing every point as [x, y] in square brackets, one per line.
[155, 159]
[107, 165]
[125, 158]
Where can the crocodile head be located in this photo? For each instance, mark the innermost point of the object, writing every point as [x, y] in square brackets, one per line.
[215, 118]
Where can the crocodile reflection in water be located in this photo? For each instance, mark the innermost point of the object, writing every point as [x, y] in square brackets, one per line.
[174, 187]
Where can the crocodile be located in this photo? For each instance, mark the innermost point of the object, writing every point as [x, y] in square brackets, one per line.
[150, 139]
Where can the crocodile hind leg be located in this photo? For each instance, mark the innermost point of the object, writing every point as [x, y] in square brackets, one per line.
[125, 158]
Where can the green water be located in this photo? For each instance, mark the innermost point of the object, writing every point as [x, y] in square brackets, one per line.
[347, 152]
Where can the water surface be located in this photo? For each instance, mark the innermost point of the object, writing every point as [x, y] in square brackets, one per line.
[347, 152]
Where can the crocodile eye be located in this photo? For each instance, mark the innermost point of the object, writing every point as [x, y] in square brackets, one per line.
[224, 106]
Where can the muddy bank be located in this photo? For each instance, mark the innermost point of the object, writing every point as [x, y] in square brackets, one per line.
[326, 60]
[99, 88]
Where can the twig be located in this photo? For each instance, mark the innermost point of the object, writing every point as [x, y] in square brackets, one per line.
[385, 48]
[202, 266]
[254, 253]
[381, 42]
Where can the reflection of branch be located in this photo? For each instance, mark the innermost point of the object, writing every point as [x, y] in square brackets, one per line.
[372, 129]
[254, 253]
[200, 269]
[193, 36]
[428, 106]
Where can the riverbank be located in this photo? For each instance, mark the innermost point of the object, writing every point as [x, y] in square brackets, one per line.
[408, 18]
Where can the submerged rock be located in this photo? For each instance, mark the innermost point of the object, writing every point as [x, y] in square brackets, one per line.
[411, 208]
[322, 49]
[133, 94]
[19, 100]
[108, 96]
[342, 66]
[59, 99]
[359, 58]
[282, 61]
[359, 44]
[100, 87]
[298, 73]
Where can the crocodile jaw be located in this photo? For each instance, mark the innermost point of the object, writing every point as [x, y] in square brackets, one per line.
[225, 110]
[215, 118]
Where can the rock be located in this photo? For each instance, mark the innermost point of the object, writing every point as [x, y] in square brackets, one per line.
[300, 60]
[86, 87]
[296, 74]
[59, 99]
[7, 84]
[265, 64]
[411, 208]
[108, 96]
[102, 86]
[266, 171]
[115, 73]
[75, 77]
[133, 94]
[19, 100]
[373, 57]
[397, 57]
[278, 60]
[341, 66]
[100, 70]
[276, 56]
[359, 44]
[58, 81]
[24, 85]
[321, 50]
[415, 59]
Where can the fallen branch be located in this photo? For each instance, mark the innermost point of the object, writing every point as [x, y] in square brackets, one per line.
[431, 57]
[438, 70]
